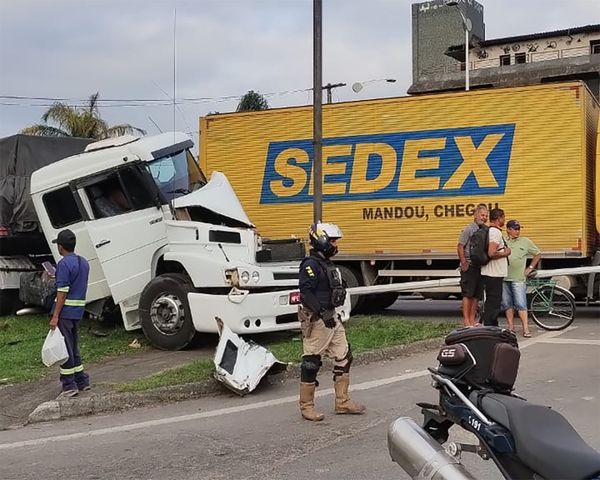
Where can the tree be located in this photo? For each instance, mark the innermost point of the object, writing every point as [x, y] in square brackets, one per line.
[252, 102]
[84, 122]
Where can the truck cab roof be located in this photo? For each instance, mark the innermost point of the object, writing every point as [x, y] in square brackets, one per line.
[106, 154]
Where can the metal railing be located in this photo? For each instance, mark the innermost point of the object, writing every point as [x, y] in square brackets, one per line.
[530, 57]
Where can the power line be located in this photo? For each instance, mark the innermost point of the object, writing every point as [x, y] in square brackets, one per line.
[134, 102]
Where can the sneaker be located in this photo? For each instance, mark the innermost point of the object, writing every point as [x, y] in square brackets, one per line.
[67, 394]
[87, 388]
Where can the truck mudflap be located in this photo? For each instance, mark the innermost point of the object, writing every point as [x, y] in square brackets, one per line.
[241, 365]
[245, 312]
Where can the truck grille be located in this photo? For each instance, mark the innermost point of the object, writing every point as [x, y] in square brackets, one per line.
[287, 318]
[285, 276]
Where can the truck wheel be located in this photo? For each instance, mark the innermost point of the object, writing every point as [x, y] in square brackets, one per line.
[351, 279]
[379, 301]
[9, 301]
[165, 312]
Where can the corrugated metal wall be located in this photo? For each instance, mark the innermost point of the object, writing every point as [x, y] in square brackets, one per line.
[402, 174]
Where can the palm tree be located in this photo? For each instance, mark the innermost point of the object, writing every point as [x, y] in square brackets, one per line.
[251, 102]
[84, 122]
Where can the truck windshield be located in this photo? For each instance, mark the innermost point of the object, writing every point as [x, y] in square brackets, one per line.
[176, 174]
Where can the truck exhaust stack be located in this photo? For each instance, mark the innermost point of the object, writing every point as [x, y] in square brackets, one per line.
[420, 456]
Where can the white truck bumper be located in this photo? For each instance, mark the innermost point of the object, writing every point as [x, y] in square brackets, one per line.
[248, 313]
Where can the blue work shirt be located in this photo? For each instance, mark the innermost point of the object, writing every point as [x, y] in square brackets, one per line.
[72, 274]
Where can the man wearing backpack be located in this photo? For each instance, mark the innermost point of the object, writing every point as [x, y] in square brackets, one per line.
[471, 284]
[494, 271]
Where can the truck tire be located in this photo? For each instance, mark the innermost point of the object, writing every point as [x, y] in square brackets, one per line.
[379, 301]
[351, 279]
[9, 301]
[165, 312]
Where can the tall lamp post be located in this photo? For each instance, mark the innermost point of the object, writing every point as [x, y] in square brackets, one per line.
[317, 111]
[468, 26]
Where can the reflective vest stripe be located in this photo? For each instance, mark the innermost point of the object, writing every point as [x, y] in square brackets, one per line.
[63, 289]
[71, 371]
[74, 303]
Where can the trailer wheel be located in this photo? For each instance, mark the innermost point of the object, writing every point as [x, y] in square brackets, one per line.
[165, 312]
[378, 301]
[351, 279]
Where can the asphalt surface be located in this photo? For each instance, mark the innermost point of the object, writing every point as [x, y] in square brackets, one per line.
[262, 436]
[34, 401]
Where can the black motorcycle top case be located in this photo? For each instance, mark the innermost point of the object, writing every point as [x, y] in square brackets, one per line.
[496, 352]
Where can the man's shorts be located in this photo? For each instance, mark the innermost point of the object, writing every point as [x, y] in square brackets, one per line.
[514, 295]
[471, 284]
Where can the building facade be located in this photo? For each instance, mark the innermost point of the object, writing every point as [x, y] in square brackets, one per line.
[569, 54]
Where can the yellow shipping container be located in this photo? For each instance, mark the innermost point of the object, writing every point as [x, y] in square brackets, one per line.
[402, 175]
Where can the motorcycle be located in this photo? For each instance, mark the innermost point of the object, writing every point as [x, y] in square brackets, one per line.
[476, 373]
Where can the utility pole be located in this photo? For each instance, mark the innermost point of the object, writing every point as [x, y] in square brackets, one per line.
[331, 86]
[317, 111]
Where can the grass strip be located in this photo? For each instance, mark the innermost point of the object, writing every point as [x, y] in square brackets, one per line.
[365, 333]
[21, 340]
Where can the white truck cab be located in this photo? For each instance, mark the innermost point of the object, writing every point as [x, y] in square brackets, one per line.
[170, 248]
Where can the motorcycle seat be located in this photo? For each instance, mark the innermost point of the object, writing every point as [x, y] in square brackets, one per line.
[544, 440]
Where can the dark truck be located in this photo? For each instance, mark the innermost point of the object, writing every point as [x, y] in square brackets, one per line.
[23, 246]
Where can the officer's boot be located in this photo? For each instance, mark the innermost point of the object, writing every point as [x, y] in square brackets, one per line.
[343, 404]
[307, 402]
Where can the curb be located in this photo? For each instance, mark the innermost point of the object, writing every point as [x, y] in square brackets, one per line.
[112, 402]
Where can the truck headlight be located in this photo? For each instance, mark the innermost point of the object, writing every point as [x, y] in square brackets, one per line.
[255, 277]
[245, 276]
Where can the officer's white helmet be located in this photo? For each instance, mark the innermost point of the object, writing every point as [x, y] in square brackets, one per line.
[320, 236]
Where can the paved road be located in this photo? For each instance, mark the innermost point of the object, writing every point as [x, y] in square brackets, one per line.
[415, 306]
[263, 437]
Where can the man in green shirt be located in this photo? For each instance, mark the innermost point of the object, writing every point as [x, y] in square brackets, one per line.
[514, 295]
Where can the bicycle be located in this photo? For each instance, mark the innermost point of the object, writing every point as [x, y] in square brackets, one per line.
[551, 306]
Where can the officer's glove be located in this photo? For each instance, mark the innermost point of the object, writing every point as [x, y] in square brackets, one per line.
[328, 317]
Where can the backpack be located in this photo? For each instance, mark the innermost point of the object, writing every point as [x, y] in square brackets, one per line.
[478, 246]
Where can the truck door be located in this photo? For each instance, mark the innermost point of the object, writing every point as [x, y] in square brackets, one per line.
[127, 229]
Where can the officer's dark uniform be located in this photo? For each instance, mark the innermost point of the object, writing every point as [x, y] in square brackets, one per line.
[323, 333]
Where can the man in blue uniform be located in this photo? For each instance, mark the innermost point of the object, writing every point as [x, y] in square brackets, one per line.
[72, 274]
[321, 291]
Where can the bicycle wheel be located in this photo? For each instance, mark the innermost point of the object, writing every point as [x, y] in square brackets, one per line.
[552, 307]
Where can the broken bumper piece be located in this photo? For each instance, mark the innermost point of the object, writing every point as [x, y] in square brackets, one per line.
[241, 365]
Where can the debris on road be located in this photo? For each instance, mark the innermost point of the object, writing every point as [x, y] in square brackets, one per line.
[240, 365]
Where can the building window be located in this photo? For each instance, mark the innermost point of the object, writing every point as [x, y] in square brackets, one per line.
[521, 57]
[504, 60]
[594, 46]
[61, 207]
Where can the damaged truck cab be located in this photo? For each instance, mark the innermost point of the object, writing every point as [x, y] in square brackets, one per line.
[169, 248]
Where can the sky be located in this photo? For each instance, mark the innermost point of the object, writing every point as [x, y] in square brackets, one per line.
[210, 52]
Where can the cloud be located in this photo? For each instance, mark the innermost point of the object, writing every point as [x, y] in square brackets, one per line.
[71, 49]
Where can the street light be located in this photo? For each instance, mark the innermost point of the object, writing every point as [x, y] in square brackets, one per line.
[358, 86]
[468, 26]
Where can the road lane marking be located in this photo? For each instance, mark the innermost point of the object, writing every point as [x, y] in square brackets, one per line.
[240, 408]
[571, 341]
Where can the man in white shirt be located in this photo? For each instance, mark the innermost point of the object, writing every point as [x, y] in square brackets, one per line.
[496, 269]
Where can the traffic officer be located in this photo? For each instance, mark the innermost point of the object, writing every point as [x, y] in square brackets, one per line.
[323, 333]
[72, 274]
